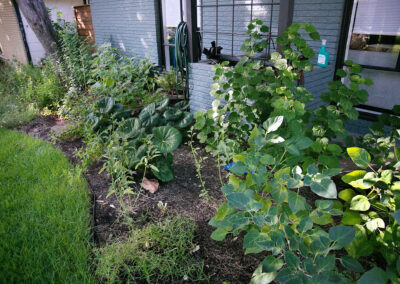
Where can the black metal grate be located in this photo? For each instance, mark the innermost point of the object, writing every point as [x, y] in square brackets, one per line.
[234, 8]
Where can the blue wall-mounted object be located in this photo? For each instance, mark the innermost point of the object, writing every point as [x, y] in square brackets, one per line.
[323, 55]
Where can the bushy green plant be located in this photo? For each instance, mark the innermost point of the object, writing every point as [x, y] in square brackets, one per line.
[130, 80]
[170, 82]
[13, 111]
[75, 55]
[156, 253]
[263, 126]
[268, 206]
[372, 206]
[37, 85]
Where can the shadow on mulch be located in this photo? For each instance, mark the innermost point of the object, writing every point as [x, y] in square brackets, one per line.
[224, 261]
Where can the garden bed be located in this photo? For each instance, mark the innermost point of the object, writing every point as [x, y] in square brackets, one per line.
[223, 261]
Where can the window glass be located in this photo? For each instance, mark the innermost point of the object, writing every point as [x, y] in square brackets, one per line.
[375, 34]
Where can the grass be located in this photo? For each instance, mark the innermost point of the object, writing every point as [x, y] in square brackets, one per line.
[44, 209]
[158, 252]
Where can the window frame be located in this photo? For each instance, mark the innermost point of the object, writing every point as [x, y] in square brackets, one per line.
[367, 112]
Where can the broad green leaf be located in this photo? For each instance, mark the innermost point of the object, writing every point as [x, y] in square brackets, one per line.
[347, 194]
[321, 219]
[397, 153]
[130, 128]
[105, 105]
[354, 175]
[375, 275]
[267, 160]
[161, 106]
[359, 203]
[330, 161]
[343, 235]
[220, 233]
[149, 118]
[273, 123]
[341, 73]
[325, 263]
[291, 259]
[173, 114]
[185, 121]
[250, 240]
[325, 188]
[238, 168]
[305, 225]
[222, 212]
[296, 202]
[355, 179]
[259, 277]
[279, 194]
[351, 264]
[386, 176]
[271, 264]
[334, 149]
[166, 138]
[244, 201]
[374, 224]
[359, 156]
[165, 171]
[351, 218]
[360, 246]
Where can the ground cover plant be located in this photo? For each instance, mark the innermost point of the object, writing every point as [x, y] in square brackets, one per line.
[280, 150]
[45, 220]
[157, 252]
[13, 111]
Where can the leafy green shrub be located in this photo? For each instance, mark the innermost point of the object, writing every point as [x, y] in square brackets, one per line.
[13, 111]
[170, 82]
[75, 55]
[372, 206]
[48, 91]
[281, 149]
[129, 80]
[156, 253]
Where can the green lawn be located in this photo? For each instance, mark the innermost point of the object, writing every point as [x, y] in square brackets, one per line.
[44, 209]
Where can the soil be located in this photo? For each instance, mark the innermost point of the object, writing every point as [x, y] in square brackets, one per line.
[224, 261]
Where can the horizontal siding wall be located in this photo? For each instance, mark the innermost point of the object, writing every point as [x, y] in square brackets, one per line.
[11, 41]
[201, 79]
[131, 25]
[325, 15]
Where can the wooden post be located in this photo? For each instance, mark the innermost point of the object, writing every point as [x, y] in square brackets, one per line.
[286, 8]
[191, 21]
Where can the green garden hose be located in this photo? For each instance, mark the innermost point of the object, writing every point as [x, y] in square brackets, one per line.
[181, 57]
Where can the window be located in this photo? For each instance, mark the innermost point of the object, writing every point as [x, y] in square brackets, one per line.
[374, 40]
[225, 23]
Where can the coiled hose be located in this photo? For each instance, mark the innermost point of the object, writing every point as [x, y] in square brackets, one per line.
[181, 57]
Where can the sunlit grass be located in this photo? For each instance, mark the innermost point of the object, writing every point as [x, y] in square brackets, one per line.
[44, 209]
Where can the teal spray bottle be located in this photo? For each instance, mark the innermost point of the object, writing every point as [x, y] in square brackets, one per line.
[323, 55]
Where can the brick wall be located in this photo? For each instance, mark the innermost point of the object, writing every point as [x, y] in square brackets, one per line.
[11, 41]
[131, 25]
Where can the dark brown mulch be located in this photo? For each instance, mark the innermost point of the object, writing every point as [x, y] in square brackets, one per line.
[224, 261]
